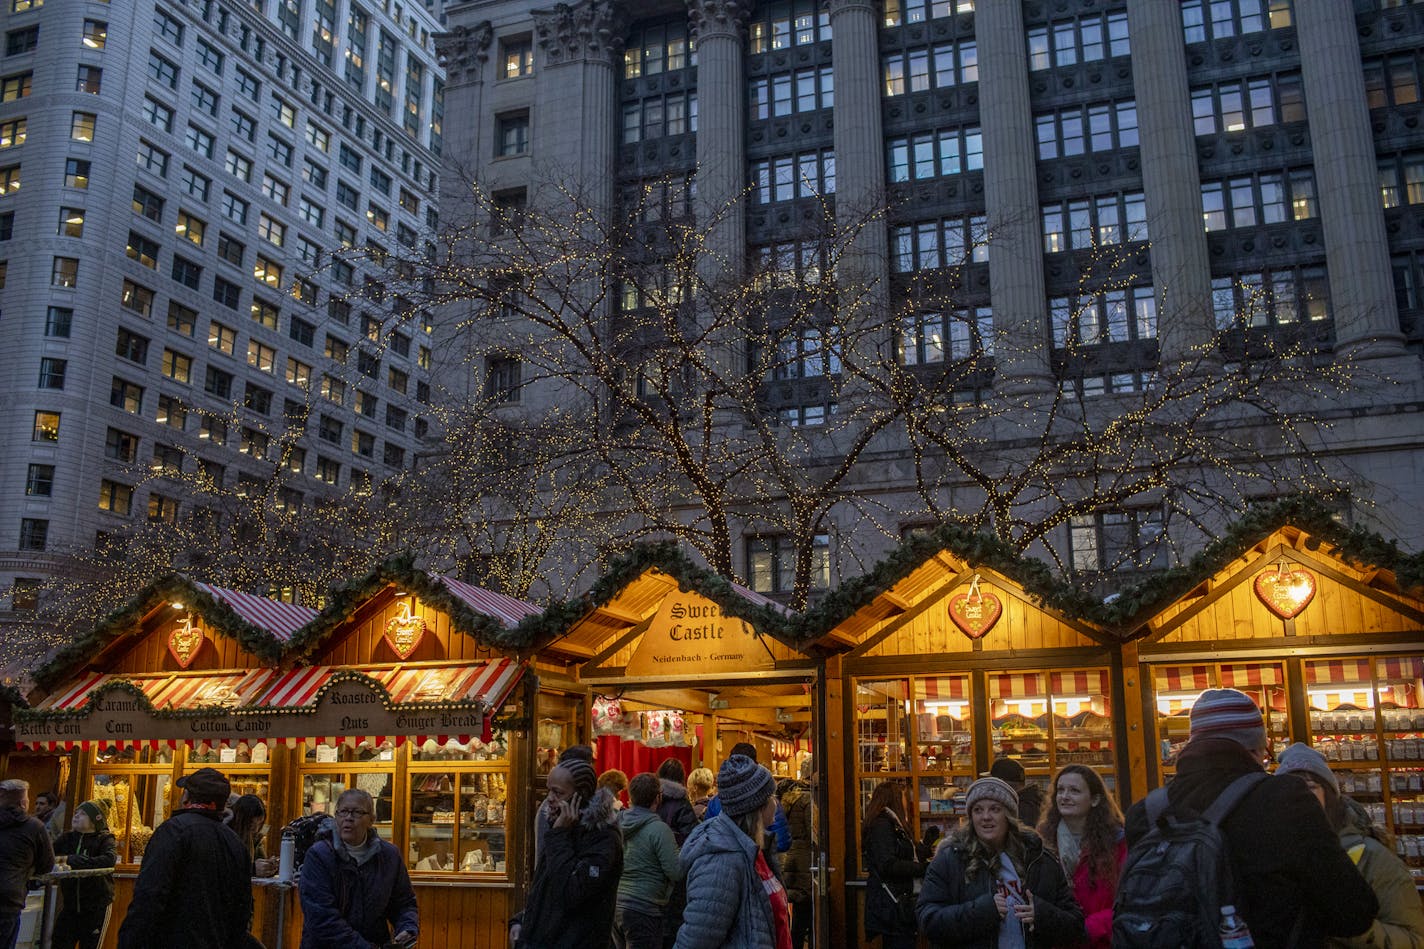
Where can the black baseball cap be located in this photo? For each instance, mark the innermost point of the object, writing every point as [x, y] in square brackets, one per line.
[1007, 769]
[206, 783]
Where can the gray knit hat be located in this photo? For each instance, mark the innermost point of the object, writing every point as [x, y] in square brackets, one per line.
[993, 789]
[743, 785]
[1300, 758]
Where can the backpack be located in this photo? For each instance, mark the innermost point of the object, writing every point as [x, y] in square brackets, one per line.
[1177, 878]
[306, 831]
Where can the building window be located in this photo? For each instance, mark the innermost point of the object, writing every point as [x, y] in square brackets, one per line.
[25, 594]
[162, 509]
[279, 151]
[64, 272]
[137, 298]
[171, 412]
[39, 481]
[82, 126]
[502, 378]
[363, 443]
[152, 159]
[218, 383]
[929, 245]
[516, 58]
[195, 183]
[34, 533]
[76, 173]
[257, 399]
[212, 429]
[168, 27]
[147, 204]
[13, 132]
[1111, 316]
[1086, 39]
[248, 85]
[771, 563]
[267, 271]
[71, 222]
[158, 115]
[244, 126]
[1271, 298]
[194, 229]
[254, 443]
[9, 179]
[210, 57]
[15, 87]
[276, 189]
[181, 319]
[1096, 127]
[22, 41]
[298, 373]
[260, 356]
[1108, 540]
[239, 167]
[1204, 20]
[933, 154]
[90, 79]
[943, 66]
[46, 428]
[199, 141]
[114, 497]
[328, 470]
[131, 346]
[58, 320]
[126, 395]
[143, 250]
[227, 293]
[330, 430]
[168, 460]
[512, 134]
[177, 366]
[804, 90]
[953, 335]
[1265, 198]
[786, 177]
[230, 249]
[121, 446]
[52, 373]
[162, 70]
[1094, 222]
[222, 338]
[1249, 103]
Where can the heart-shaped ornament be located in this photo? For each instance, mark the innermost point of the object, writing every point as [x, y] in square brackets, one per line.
[404, 632]
[185, 641]
[975, 612]
[1286, 589]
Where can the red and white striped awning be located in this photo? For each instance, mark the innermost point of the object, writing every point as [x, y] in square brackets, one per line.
[1078, 682]
[297, 688]
[486, 683]
[951, 688]
[1016, 685]
[1182, 678]
[74, 695]
[228, 690]
[507, 609]
[1356, 670]
[282, 620]
[1248, 675]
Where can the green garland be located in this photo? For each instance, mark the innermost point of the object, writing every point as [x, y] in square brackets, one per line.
[665, 557]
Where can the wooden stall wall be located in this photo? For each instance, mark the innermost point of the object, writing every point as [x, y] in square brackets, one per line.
[361, 640]
[149, 653]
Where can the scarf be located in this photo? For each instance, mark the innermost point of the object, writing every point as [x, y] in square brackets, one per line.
[1069, 849]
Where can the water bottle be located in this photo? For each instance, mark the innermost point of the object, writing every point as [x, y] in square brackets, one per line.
[288, 859]
[1234, 932]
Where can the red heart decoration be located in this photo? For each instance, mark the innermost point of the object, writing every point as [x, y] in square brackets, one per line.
[184, 642]
[975, 613]
[1285, 592]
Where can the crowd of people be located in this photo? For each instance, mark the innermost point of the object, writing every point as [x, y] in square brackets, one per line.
[703, 862]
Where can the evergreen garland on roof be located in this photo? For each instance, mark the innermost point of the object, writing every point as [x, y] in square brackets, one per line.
[1360, 547]
[127, 620]
[665, 557]
[400, 570]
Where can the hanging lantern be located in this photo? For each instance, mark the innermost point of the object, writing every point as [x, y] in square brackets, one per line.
[185, 642]
[975, 612]
[1286, 589]
[404, 631]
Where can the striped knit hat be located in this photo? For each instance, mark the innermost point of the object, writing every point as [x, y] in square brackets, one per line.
[1228, 713]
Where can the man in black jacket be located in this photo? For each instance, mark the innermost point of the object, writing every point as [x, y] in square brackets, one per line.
[1294, 884]
[194, 890]
[24, 851]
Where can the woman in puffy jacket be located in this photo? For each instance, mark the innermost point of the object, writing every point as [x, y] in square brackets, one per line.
[734, 899]
[889, 853]
[1083, 827]
[993, 885]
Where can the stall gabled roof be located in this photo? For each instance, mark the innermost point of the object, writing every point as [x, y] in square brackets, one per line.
[1302, 523]
[259, 625]
[633, 585]
[484, 615]
[934, 557]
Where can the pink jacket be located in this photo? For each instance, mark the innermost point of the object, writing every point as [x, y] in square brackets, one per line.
[1096, 898]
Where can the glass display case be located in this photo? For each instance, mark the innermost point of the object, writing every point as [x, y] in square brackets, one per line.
[1045, 720]
[1176, 687]
[916, 730]
[458, 806]
[1367, 719]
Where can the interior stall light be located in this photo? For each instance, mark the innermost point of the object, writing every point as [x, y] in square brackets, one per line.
[1072, 704]
[952, 708]
[1346, 693]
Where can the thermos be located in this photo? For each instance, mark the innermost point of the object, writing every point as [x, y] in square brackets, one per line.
[287, 862]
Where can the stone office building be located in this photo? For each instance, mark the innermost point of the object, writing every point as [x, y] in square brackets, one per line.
[198, 312]
[1253, 167]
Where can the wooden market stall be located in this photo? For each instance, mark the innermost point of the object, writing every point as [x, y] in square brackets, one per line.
[396, 687]
[950, 660]
[1311, 620]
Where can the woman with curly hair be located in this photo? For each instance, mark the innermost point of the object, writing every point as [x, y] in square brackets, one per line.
[1084, 828]
[993, 885]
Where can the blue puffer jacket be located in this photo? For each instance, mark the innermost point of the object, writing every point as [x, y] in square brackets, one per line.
[346, 906]
[727, 903]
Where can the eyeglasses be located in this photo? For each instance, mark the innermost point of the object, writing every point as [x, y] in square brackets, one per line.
[348, 814]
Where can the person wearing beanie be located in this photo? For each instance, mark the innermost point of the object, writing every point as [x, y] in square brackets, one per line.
[86, 901]
[733, 897]
[994, 884]
[779, 828]
[1293, 883]
[573, 893]
[1400, 922]
[194, 887]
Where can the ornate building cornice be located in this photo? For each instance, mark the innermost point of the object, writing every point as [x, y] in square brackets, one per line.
[464, 51]
[589, 30]
[718, 17]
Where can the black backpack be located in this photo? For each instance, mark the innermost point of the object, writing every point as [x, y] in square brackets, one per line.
[1177, 877]
[307, 831]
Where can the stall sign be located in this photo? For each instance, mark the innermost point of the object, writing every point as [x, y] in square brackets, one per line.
[355, 708]
[185, 642]
[118, 715]
[690, 635]
[975, 612]
[1286, 589]
[404, 631]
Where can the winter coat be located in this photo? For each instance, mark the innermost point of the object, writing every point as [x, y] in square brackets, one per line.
[1030, 805]
[25, 851]
[890, 892]
[193, 889]
[727, 903]
[574, 890]
[650, 864]
[1400, 923]
[346, 905]
[796, 862]
[699, 806]
[87, 852]
[1095, 897]
[676, 810]
[960, 912]
[1287, 864]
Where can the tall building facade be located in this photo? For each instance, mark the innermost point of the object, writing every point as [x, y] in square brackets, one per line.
[1246, 168]
[199, 196]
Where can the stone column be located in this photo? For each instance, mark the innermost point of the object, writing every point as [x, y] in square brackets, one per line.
[860, 184]
[1181, 269]
[575, 116]
[718, 27]
[464, 52]
[1357, 249]
[1022, 345]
